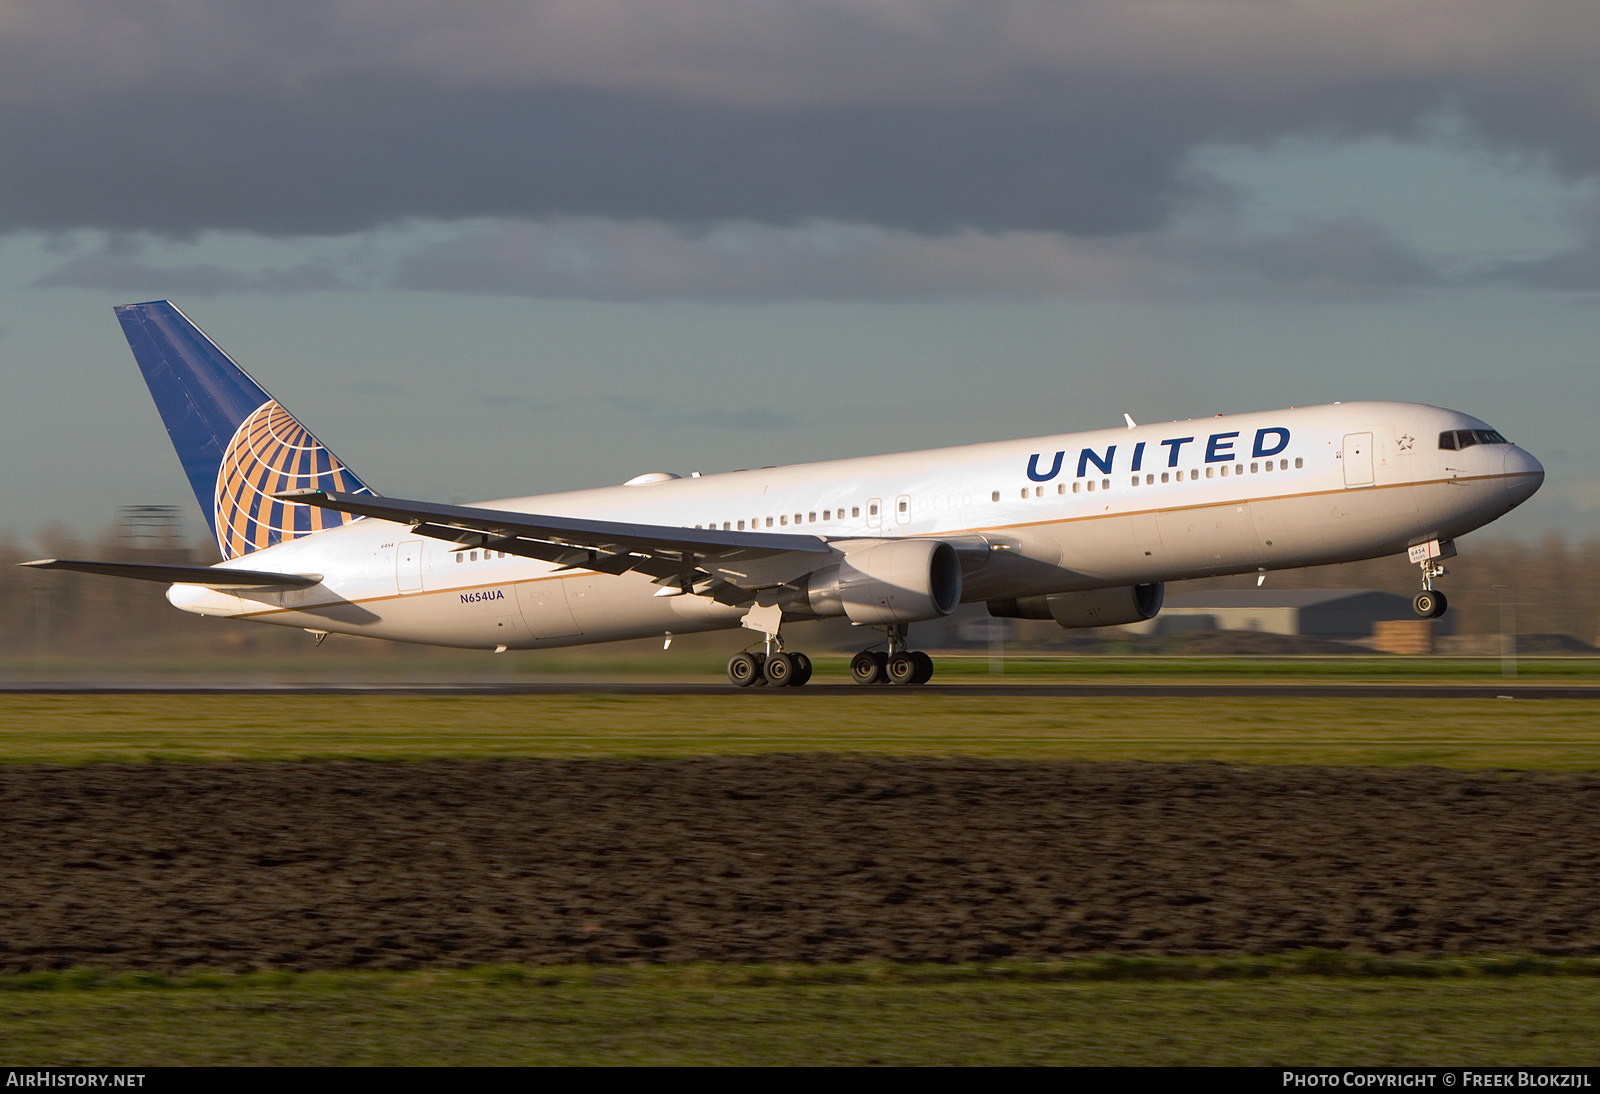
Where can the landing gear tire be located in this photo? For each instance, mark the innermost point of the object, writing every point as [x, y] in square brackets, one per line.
[744, 669]
[909, 667]
[1429, 604]
[902, 669]
[866, 668]
[780, 670]
[802, 669]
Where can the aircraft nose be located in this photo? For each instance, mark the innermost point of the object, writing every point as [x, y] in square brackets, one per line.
[1524, 475]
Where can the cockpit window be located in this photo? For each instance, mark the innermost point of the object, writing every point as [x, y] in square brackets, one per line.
[1453, 439]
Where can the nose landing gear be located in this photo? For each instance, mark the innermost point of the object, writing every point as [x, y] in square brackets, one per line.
[1429, 603]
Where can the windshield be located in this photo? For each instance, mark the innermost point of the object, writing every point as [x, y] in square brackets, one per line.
[1453, 439]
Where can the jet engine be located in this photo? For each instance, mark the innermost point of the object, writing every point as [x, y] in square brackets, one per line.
[899, 581]
[1095, 608]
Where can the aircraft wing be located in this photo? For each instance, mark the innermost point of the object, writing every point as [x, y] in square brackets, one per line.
[683, 555]
[213, 577]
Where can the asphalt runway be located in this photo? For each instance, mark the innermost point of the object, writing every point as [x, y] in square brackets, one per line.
[948, 691]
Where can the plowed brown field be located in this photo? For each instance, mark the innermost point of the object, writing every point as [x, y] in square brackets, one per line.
[781, 858]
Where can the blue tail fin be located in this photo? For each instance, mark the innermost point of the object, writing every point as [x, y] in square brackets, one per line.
[237, 445]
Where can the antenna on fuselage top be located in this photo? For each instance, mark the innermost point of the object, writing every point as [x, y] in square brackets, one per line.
[1129, 419]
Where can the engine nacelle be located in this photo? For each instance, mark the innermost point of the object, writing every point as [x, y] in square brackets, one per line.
[1095, 608]
[901, 581]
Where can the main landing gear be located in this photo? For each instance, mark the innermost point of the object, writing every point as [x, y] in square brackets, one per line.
[773, 665]
[896, 665]
[778, 669]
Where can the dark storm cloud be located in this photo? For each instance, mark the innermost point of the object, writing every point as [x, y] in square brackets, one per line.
[176, 116]
[353, 154]
[1087, 157]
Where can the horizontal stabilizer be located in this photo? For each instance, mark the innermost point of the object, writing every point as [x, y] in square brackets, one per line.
[213, 577]
[607, 534]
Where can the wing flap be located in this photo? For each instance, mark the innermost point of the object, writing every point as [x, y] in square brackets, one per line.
[606, 535]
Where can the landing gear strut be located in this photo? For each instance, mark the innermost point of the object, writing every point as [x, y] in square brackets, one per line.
[773, 665]
[896, 665]
[1429, 603]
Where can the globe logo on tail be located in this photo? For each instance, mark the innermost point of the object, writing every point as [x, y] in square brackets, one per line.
[272, 453]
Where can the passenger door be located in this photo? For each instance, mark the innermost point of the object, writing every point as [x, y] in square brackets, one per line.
[408, 566]
[1358, 459]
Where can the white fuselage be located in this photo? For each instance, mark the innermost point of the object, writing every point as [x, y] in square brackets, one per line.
[1079, 511]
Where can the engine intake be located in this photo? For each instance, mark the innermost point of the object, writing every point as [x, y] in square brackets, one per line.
[900, 581]
[1095, 608]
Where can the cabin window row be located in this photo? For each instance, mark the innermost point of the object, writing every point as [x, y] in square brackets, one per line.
[782, 520]
[1061, 488]
[1149, 478]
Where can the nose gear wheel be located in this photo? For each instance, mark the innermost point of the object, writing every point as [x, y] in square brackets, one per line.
[1429, 604]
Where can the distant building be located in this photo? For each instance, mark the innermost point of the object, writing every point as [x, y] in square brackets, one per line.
[1321, 613]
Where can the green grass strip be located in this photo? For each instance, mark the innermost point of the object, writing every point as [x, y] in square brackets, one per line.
[1314, 1009]
[1456, 733]
[1107, 967]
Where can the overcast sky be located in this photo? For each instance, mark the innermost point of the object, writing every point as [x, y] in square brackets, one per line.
[486, 248]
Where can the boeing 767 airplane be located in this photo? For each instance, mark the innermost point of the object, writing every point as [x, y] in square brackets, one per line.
[1082, 528]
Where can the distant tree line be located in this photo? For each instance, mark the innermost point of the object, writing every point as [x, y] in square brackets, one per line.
[1550, 584]
[46, 612]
